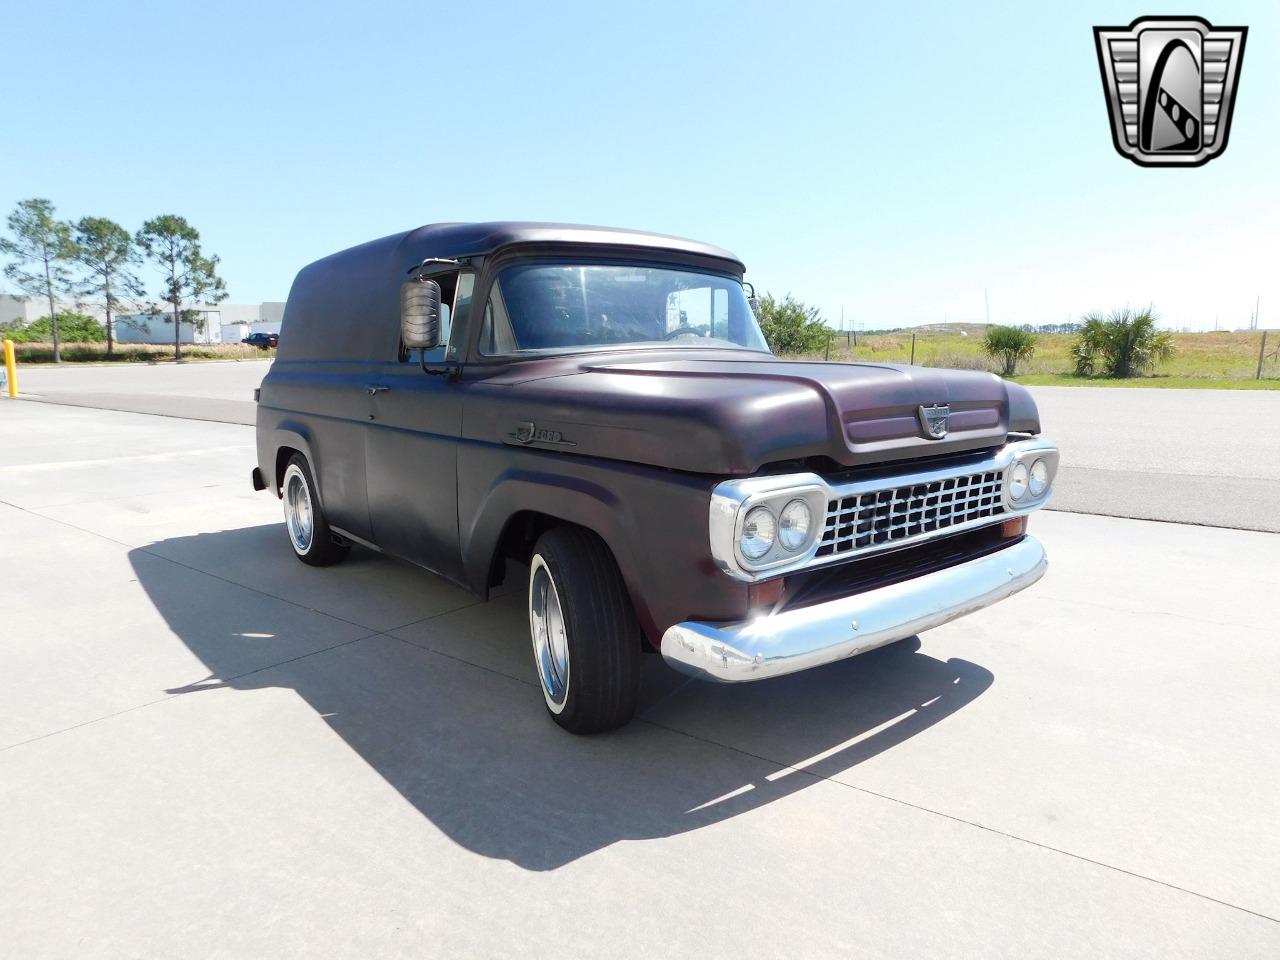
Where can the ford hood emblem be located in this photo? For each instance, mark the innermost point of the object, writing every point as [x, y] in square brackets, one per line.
[933, 419]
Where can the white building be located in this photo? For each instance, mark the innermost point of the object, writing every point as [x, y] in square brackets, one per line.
[219, 322]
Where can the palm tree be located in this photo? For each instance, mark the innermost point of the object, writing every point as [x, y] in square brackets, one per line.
[1122, 344]
[1011, 345]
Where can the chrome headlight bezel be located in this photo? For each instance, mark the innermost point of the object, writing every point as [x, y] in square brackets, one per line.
[1027, 459]
[734, 500]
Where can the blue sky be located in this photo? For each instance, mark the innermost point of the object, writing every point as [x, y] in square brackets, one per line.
[887, 160]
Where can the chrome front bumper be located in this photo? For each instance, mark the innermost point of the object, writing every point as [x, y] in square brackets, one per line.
[793, 640]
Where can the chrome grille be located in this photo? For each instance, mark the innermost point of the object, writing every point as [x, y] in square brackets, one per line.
[874, 518]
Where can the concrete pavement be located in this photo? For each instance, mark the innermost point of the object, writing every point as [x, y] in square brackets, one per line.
[1188, 456]
[210, 749]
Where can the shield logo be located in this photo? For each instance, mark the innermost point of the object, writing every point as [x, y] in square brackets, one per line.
[934, 420]
[1170, 84]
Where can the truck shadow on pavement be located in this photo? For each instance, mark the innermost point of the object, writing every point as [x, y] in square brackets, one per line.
[451, 717]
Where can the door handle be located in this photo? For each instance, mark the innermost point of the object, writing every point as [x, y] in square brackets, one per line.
[375, 388]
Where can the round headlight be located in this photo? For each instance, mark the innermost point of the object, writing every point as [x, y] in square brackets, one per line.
[794, 524]
[1039, 478]
[1019, 477]
[758, 533]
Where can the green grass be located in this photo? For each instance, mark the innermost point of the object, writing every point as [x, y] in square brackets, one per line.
[1201, 360]
[1172, 383]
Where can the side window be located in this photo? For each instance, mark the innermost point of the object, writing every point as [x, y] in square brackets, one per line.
[455, 298]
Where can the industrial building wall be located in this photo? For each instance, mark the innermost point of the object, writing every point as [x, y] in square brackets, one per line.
[145, 328]
[224, 322]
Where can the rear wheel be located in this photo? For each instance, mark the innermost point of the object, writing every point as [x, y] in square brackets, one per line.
[586, 641]
[304, 520]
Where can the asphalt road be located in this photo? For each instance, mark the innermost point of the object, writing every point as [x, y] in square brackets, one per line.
[221, 391]
[210, 749]
[1188, 456]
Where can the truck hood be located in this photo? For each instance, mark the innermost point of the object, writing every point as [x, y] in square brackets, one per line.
[727, 413]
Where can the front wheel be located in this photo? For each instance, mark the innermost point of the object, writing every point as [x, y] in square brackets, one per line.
[586, 641]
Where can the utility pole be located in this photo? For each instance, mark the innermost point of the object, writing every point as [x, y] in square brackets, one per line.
[987, 297]
[1262, 351]
[1256, 303]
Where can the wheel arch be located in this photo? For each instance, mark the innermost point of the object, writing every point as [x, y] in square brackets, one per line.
[286, 440]
[525, 504]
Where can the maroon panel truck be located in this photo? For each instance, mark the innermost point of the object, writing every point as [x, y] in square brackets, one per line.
[599, 407]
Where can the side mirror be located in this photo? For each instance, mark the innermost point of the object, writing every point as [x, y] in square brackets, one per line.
[754, 304]
[420, 315]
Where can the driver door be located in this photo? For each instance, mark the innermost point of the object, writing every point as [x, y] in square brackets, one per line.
[411, 446]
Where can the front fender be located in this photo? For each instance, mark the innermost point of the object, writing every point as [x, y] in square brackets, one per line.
[654, 522]
[1024, 417]
[572, 499]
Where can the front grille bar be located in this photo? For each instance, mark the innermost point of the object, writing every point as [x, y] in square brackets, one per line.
[876, 518]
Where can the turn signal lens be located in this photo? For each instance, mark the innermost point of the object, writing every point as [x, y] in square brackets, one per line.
[1019, 477]
[1013, 527]
[759, 531]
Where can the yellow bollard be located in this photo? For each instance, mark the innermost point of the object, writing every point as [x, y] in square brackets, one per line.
[11, 367]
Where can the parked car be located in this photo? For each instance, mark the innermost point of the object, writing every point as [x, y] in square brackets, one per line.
[262, 340]
[597, 412]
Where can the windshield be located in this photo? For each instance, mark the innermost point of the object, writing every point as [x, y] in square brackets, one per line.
[542, 307]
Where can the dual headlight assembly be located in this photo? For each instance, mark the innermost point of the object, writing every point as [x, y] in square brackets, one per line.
[790, 530]
[1024, 480]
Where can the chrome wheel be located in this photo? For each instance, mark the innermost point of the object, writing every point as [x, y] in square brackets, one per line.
[299, 515]
[550, 638]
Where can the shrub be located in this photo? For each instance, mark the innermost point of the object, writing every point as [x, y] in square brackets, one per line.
[1009, 345]
[72, 328]
[1120, 345]
[791, 327]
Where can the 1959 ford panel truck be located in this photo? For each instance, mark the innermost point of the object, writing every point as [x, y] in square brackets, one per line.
[599, 407]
